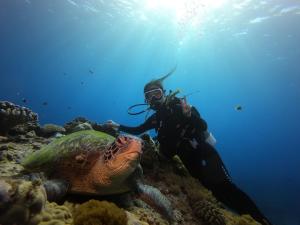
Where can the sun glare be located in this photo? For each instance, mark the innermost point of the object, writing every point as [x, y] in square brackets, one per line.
[180, 5]
[184, 11]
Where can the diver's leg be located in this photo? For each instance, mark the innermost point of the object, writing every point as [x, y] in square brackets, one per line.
[216, 177]
[205, 164]
[55, 189]
[233, 197]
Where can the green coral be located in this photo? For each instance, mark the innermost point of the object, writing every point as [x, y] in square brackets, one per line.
[61, 148]
[96, 212]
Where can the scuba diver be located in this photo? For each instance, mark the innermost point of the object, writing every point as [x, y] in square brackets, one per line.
[181, 131]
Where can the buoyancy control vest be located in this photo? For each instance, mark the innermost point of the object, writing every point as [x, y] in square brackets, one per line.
[177, 121]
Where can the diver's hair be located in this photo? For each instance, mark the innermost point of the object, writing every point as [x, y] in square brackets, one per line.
[158, 82]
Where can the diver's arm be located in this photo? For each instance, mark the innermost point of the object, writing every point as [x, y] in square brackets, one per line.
[148, 125]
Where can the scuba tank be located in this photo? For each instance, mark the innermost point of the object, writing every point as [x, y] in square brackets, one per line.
[210, 139]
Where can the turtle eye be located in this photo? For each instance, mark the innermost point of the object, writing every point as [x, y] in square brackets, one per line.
[119, 140]
[122, 141]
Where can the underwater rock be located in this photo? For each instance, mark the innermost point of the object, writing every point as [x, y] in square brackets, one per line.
[12, 115]
[150, 157]
[81, 126]
[4, 147]
[81, 123]
[3, 139]
[30, 134]
[49, 130]
[24, 128]
[179, 166]
[20, 201]
[70, 126]
[20, 139]
[234, 219]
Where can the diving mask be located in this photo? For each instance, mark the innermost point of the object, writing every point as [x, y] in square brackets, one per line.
[156, 93]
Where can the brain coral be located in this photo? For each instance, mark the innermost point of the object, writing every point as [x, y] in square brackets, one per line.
[96, 212]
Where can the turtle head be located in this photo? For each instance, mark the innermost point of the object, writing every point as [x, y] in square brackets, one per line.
[123, 155]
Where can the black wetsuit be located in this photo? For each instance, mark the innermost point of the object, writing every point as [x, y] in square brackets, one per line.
[184, 134]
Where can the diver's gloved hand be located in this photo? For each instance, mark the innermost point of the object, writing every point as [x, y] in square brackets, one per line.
[111, 124]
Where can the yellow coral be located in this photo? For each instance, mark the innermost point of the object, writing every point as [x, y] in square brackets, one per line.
[96, 212]
[53, 214]
[22, 200]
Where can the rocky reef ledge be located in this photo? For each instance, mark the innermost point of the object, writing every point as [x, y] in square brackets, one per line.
[24, 202]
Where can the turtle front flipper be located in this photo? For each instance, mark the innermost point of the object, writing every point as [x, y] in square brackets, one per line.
[55, 189]
[156, 199]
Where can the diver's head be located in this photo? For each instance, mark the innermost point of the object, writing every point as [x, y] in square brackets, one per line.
[154, 91]
[154, 95]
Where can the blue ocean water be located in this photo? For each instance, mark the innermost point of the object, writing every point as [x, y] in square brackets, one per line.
[91, 58]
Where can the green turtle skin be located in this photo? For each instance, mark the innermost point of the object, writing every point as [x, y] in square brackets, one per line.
[61, 149]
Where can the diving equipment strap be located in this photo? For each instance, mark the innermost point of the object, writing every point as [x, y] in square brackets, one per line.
[136, 105]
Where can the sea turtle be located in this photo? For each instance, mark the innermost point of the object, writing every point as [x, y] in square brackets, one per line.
[94, 163]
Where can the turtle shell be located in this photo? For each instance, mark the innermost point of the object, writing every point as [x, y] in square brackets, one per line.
[78, 151]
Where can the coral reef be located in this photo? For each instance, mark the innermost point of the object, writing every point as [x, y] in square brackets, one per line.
[193, 204]
[20, 201]
[148, 215]
[133, 219]
[12, 115]
[207, 212]
[96, 212]
[53, 214]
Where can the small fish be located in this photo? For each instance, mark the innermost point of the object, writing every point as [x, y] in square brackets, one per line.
[81, 82]
[238, 108]
[69, 107]
[24, 100]
[91, 71]
[45, 103]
